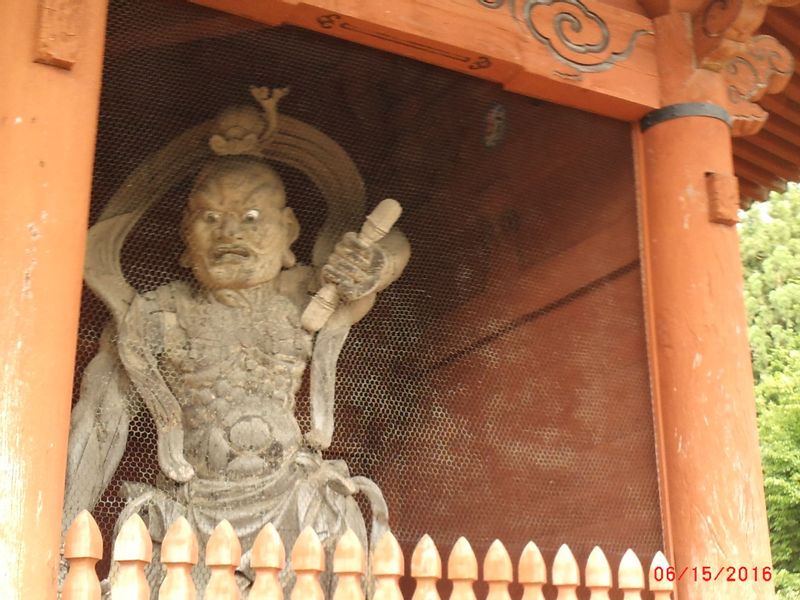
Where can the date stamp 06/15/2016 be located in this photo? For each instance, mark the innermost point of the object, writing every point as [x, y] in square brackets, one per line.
[707, 573]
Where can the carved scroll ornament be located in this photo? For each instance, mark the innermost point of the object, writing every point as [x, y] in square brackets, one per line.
[762, 67]
[574, 34]
[750, 65]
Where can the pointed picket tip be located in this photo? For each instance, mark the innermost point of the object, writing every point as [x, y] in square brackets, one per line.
[565, 567]
[223, 548]
[133, 541]
[631, 574]
[661, 584]
[462, 563]
[387, 558]
[532, 568]
[268, 551]
[83, 539]
[349, 554]
[497, 564]
[425, 561]
[307, 553]
[598, 571]
[180, 544]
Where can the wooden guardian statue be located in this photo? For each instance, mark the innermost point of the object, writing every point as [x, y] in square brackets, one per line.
[218, 361]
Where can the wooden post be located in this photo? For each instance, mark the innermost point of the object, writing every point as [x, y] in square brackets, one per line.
[223, 555]
[83, 547]
[532, 572]
[308, 562]
[426, 568]
[387, 568]
[268, 558]
[498, 571]
[598, 574]
[659, 584]
[133, 550]
[349, 566]
[179, 555]
[48, 119]
[712, 489]
[566, 575]
[631, 576]
[462, 570]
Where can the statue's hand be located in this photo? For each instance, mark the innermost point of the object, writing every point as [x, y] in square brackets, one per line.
[354, 267]
[316, 440]
[170, 455]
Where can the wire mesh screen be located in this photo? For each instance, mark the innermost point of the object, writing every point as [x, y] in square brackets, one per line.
[499, 388]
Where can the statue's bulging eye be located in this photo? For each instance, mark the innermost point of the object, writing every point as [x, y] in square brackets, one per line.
[251, 216]
[211, 217]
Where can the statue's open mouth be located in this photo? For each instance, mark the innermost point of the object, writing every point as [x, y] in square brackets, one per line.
[231, 253]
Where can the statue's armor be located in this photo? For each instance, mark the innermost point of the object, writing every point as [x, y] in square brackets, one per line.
[235, 371]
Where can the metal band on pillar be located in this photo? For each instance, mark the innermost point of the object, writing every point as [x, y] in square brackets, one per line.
[687, 109]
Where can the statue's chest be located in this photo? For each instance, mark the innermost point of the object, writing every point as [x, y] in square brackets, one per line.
[207, 335]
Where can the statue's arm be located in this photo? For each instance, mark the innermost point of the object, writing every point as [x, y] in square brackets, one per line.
[359, 274]
[98, 429]
[140, 340]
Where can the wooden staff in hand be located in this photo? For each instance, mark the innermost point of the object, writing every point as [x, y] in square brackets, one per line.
[354, 267]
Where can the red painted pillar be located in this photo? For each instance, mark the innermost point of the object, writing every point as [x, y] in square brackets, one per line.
[713, 496]
[48, 118]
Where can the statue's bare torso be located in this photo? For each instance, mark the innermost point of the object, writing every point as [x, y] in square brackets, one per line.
[235, 370]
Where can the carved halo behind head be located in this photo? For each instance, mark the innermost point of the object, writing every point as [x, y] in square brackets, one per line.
[244, 131]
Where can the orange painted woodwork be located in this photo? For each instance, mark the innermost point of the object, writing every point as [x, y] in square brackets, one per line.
[630, 576]
[223, 555]
[308, 561]
[532, 572]
[498, 571]
[179, 554]
[133, 550]
[701, 370]
[769, 142]
[462, 570]
[83, 547]
[349, 566]
[660, 585]
[764, 159]
[267, 558]
[485, 43]
[426, 568]
[387, 567]
[598, 574]
[48, 119]
[566, 574]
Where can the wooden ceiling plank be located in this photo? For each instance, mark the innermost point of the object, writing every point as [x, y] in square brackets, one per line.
[793, 46]
[747, 170]
[788, 28]
[752, 191]
[773, 144]
[783, 129]
[210, 27]
[784, 107]
[795, 10]
[792, 90]
[766, 160]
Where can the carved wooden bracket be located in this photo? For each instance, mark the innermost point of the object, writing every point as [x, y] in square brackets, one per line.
[763, 66]
[57, 38]
[750, 65]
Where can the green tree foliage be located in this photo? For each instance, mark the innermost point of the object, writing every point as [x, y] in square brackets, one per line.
[770, 242]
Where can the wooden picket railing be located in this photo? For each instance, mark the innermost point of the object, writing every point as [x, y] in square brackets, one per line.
[133, 548]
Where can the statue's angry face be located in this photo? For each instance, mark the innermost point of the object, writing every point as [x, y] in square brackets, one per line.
[237, 228]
